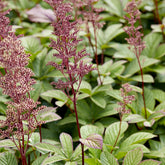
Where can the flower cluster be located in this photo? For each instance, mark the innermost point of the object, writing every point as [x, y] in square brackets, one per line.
[135, 36]
[16, 83]
[72, 65]
[127, 99]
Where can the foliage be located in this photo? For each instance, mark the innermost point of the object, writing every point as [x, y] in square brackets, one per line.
[102, 99]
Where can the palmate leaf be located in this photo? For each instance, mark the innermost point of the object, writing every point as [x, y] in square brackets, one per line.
[8, 158]
[112, 133]
[108, 159]
[133, 157]
[93, 141]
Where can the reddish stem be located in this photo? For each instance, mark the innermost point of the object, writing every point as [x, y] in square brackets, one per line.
[157, 12]
[77, 122]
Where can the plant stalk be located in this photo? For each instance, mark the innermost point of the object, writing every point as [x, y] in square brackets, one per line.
[77, 122]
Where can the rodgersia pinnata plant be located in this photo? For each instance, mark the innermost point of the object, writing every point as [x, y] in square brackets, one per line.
[135, 38]
[16, 82]
[72, 65]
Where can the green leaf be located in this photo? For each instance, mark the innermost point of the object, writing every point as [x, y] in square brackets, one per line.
[34, 138]
[135, 118]
[146, 78]
[6, 143]
[35, 94]
[98, 100]
[139, 137]
[85, 87]
[112, 31]
[52, 159]
[160, 51]
[133, 157]
[87, 130]
[32, 45]
[93, 141]
[115, 131]
[150, 162]
[108, 159]
[115, 94]
[77, 153]
[40, 159]
[92, 161]
[67, 144]
[70, 119]
[159, 95]
[123, 52]
[8, 158]
[152, 41]
[107, 111]
[71, 163]
[47, 147]
[48, 115]
[57, 94]
[149, 98]
[133, 66]
[114, 7]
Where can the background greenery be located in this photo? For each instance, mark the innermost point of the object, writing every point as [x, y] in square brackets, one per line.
[140, 138]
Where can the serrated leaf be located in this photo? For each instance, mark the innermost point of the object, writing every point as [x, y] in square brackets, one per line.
[115, 131]
[152, 41]
[159, 95]
[112, 31]
[150, 162]
[114, 7]
[8, 158]
[133, 66]
[6, 143]
[87, 130]
[31, 45]
[98, 100]
[85, 87]
[70, 119]
[48, 115]
[108, 159]
[57, 94]
[160, 51]
[139, 137]
[107, 111]
[67, 144]
[47, 147]
[52, 159]
[134, 118]
[146, 78]
[77, 152]
[34, 138]
[133, 157]
[93, 141]
[40, 159]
